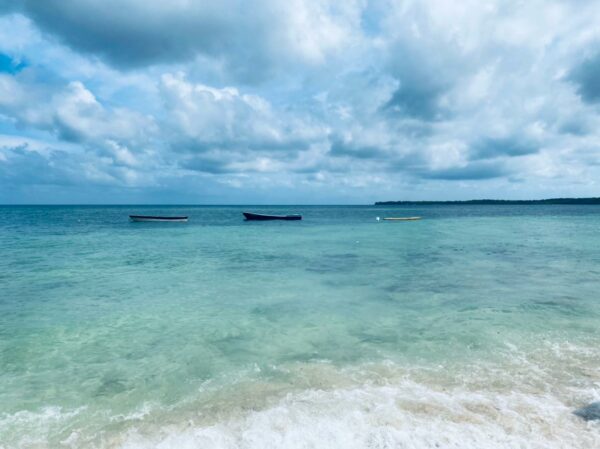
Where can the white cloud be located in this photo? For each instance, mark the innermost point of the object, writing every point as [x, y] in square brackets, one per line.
[346, 98]
[231, 130]
[218, 115]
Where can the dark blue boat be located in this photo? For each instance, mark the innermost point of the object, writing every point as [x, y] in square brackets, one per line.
[251, 216]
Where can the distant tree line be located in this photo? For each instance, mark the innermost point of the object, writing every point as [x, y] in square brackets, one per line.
[484, 201]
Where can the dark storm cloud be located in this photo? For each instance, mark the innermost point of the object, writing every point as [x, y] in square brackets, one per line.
[473, 171]
[9, 5]
[490, 148]
[246, 42]
[243, 148]
[131, 33]
[424, 74]
[206, 165]
[587, 78]
[24, 166]
[417, 98]
[341, 148]
[575, 127]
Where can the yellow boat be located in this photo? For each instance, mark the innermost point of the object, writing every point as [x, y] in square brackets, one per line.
[401, 218]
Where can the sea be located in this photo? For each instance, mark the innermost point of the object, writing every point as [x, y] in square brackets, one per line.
[475, 327]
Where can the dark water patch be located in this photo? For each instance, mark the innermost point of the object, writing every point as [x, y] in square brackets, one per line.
[276, 311]
[384, 297]
[345, 282]
[304, 357]
[345, 256]
[468, 309]
[590, 412]
[345, 263]
[549, 303]
[237, 350]
[335, 263]
[499, 251]
[424, 257]
[230, 338]
[135, 261]
[400, 287]
[552, 305]
[111, 386]
[136, 355]
[56, 284]
[380, 338]
[270, 310]
[255, 261]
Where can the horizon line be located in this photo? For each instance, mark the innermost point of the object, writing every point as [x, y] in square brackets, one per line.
[375, 203]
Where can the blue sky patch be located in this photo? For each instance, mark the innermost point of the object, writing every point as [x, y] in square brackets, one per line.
[10, 65]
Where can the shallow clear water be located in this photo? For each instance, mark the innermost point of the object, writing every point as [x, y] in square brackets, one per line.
[477, 326]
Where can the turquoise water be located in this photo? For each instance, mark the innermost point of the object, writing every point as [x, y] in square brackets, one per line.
[477, 326]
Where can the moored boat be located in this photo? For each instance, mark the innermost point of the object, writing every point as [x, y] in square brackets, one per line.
[401, 218]
[157, 218]
[251, 216]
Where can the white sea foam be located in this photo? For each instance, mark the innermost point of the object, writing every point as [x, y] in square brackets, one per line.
[32, 427]
[407, 415]
[526, 401]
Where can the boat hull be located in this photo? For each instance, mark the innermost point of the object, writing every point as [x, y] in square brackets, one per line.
[263, 217]
[402, 218]
[146, 218]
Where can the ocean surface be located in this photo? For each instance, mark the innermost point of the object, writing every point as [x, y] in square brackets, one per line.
[476, 327]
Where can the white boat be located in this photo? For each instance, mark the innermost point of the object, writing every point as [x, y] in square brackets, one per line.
[402, 218]
[157, 218]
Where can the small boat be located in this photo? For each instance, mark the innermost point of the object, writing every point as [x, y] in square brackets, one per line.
[157, 218]
[401, 218]
[251, 216]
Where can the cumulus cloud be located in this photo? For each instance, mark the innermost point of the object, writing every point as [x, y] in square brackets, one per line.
[495, 147]
[109, 145]
[587, 77]
[69, 110]
[473, 171]
[218, 129]
[346, 99]
[21, 165]
[249, 41]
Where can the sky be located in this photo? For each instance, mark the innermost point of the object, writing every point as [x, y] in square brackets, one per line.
[297, 102]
